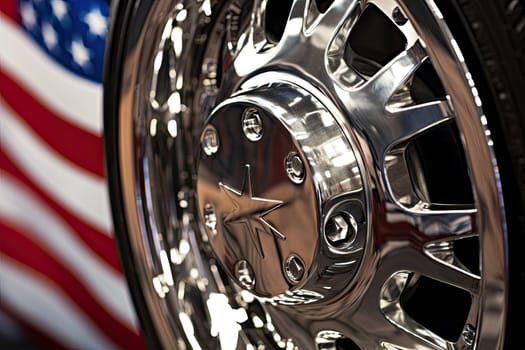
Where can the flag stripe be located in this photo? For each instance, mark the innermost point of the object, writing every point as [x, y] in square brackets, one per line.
[44, 166]
[59, 269]
[78, 146]
[19, 247]
[57, 316]
[77, 99]
[101, 244]
[53, 235]
[9, 9]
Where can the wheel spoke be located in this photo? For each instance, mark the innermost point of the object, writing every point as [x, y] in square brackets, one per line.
[424, 243]
[379, 319]
[385, 83]
[411, 121]
[335, 16]
[445, 272]
[431, 225]
[387, 129]
[257, 26]
[251, 55]
[405, 333]
[298, 13]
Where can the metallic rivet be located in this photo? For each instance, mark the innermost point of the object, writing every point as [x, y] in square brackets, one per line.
[294, 268]
[399, 17]
[252, 124]
[294, 167]
[210, 219]
[210, 140]
[244, 274]
[341, 228]
[469, 334]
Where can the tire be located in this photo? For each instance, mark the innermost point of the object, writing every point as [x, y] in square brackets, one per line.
[388, 215]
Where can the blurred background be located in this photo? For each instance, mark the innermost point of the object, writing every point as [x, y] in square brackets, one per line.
[61, 284]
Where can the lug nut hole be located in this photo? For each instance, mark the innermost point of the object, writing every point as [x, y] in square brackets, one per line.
[245, 275]
[210, 140]
[294, 167]
[252, 125]
[294, 269]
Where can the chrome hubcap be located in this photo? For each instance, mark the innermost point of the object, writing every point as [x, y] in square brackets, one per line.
[274, 165]
[288, 183]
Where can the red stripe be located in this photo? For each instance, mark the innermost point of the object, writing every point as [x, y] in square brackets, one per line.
[17, 245]
[36, 337]
[75, 144]
[9, 8]
[101, 244]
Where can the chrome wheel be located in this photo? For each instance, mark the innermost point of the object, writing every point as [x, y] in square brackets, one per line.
[308, 174]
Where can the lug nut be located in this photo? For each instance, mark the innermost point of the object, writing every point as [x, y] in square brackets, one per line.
[294, 268]
[341, 229]
[469, 334]
[244, 274]
[399, 17]
[294, 168]
[210, 140]
[252, 125]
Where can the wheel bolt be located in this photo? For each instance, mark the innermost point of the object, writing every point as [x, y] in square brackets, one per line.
[469, 334]
[294, 268]
[341, 228]
[294, 167]
[399, 17]
[210, 140]
[244, 274]
[252, 125]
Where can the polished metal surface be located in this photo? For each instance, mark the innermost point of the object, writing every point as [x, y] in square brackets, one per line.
[253, 198]
[341, 229]
[294, 167]
[267, 186]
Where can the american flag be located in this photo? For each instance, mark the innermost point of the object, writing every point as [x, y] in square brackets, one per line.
[59, 271]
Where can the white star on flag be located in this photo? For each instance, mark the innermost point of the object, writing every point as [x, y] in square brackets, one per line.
[49, 35]
[27, 12]
[97, 22]
[80, 52]
[59, 8]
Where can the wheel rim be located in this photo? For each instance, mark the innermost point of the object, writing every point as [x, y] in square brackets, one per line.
[276, 179]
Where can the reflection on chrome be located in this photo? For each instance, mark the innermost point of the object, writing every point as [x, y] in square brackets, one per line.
[254, 195]
[391, 307]
[298, 203]
[225, 321]
[189, 331]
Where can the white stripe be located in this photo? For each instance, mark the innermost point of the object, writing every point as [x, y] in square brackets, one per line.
[76, 99]
[48, 309]
[108, 287]
[77, 190]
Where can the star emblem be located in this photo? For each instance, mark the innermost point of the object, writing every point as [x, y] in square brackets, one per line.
[250, 211]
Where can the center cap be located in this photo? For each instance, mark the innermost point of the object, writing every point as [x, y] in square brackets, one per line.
[257, 197]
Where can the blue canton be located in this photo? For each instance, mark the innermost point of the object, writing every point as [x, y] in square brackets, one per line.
[72, 32]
